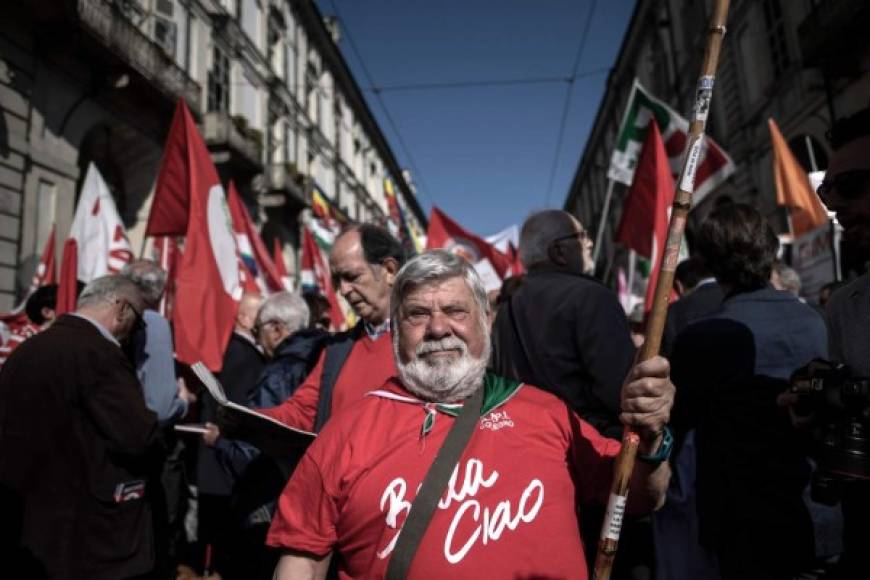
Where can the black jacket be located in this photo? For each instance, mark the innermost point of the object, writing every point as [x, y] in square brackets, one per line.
[728, 369]
[574, 343]
[703, 300]
[75, 437]
[243, 364]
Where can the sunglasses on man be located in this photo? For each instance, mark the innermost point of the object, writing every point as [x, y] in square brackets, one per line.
[139, 320]
[582, 235]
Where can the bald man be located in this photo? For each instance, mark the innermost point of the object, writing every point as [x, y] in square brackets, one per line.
[242, 366]
[563, 330]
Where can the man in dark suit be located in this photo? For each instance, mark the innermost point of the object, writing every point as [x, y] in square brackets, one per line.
[846, 190]
[242, 366]
[729, 369]
[564, 330]
[700, 295]
[74, 441]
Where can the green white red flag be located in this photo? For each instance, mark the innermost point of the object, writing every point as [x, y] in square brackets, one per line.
[714, 165]
[314, 276]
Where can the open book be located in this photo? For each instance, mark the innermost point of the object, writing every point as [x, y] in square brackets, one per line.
[239, 422]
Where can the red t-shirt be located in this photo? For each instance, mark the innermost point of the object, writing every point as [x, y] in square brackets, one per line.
[369, 364]
[510, 509]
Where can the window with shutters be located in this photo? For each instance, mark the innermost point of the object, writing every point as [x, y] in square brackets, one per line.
[776, 36]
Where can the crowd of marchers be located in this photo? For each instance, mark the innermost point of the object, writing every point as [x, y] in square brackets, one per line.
[527, 392]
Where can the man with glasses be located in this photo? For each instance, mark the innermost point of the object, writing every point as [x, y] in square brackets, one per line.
[75, 437]
[363, 262]
[151, 346]
[846, 190]
[565, 332]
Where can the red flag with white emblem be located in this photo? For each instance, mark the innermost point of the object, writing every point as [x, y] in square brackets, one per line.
[208, 284]
[491, 265]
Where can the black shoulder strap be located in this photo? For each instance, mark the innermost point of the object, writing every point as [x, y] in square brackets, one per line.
[336, 355]
[433, 487]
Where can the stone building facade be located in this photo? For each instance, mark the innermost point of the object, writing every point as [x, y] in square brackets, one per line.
[97, 80]
[801, 62]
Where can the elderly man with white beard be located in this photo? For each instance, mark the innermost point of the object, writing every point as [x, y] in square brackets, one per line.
[510, 507]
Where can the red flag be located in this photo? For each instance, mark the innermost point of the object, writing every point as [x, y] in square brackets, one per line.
[171, 203]
[314, 274]
[45, 274]
[644, 223]
[208, 282]
[280, 266]
[251, 246]
[68, 283]
[167, 256]
[516, 264]
[446, 233]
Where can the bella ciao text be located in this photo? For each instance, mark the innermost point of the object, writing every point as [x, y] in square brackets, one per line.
[491, 520]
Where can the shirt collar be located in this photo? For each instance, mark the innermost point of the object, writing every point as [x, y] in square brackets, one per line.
[99, 327]
[375, 332]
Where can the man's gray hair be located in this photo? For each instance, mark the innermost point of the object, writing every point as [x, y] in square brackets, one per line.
[539, 231]
[288, 308]
[149, 277]
[789, 278]
[436, 266]
[107, 290]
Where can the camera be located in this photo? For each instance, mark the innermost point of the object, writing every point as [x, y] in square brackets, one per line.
[838, 402]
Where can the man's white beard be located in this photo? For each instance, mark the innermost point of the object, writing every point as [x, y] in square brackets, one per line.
[442, 379]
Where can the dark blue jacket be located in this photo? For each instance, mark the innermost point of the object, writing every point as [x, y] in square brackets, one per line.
[293, 360]
[728, 369]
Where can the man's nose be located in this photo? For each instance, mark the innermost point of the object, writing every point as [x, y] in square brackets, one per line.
[439, 326]
[344, 287]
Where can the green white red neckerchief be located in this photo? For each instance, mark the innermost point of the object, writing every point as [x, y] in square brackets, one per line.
[496, 392]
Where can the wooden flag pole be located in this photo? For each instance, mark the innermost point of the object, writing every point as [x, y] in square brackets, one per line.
[609, 539]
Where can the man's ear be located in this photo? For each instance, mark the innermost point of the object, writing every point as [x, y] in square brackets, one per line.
[556, 254]
[391, 268]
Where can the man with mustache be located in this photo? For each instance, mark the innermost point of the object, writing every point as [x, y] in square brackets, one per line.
[510, 507]
[364, 261]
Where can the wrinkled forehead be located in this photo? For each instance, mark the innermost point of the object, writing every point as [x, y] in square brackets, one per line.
[453, 290]
[852, 156]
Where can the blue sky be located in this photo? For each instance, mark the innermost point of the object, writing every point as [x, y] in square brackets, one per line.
[483, 154]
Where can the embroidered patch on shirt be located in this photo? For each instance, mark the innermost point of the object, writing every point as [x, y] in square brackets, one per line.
[496, 420]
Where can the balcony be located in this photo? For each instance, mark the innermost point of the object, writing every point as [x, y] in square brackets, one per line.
[233, 142]
[108, 25]
[834, 35]
[284, 186]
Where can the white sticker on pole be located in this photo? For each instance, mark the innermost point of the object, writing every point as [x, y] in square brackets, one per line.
[703, 96]
[613, 516]
[687, 180]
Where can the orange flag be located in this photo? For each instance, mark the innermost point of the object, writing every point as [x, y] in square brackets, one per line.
[793, 189]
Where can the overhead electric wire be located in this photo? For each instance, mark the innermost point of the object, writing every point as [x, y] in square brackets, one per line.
[484, 83]
[571, 79]
[418, 176]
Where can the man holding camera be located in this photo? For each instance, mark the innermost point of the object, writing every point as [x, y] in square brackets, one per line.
[846, 190]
